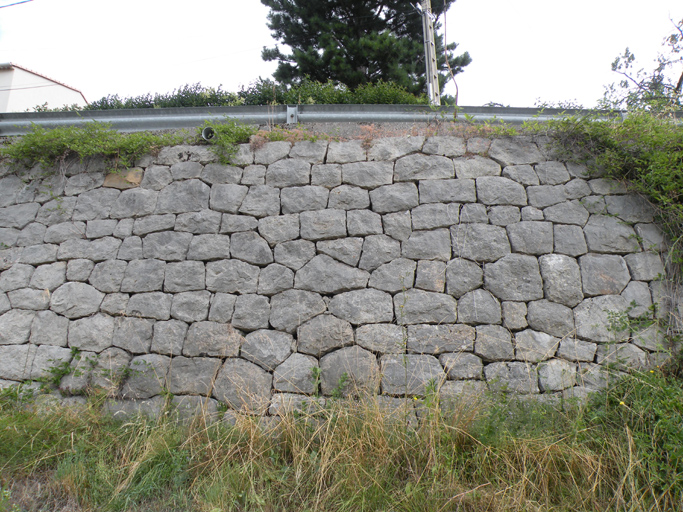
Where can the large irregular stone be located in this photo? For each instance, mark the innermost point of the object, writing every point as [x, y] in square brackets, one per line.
[29, 298]
[15, 326]
[168, 337]
[267, 348]
[95, 204]
[363, 223]
[624, 356]
[231, 276]
[561, 279]
[166, 245]
[323, 334]
[203, 222]
[543, 196]
[550, 317]
[186, 306]
[422, 167]
[406, 375]
[391, 148]
[18, 276]
[569, 240]
[515, 151]
[395, 276]
[252, 312]
[428, 245]
[479, 307]
[382, 338]
[227, 198]
[512, 377]
[493, 190]
[533, 346]
[461, 365]
[294, 254]
[494, 343]
[310, 151]
[152, 224]
[192, 375]
[630, 208]
[108, 275]
[250, 247]
[288, 173]
[149, 376]
[326, 175]
[570, 212]
[556, 375]
[296, 375]
[597, 318]
[18, 216]
[431, 276]
[644, 266]
[325, 275]
[437, 339]
[475, 166]
[143, 276]
[448, 191]
[603, 274]
[183, 196]
[435, 215]
[380, 249]
[48, 328]
[291, 308]
[261, 201]
[346, 197]
[184, 276]
[463, 276]
[514, 277]
[531, 237]
[479, 242]
[574, 349]
[394, 198]
[346, 250]
[368, 174]
[610, 235]
[93, 334]
[212, 339]
[323, 224]
[222, 307]
[523, 174]
[216, 174]
[274, 279]
[514, 315]
[76, 300]
[420, 307]
[349, 371]
[362, 307]
[638, 295]
[244, 386]
[272, 152]
[301, 199]
[54, 212]
[397, 225]
[133, 334]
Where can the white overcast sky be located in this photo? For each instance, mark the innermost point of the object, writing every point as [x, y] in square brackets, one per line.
[522, 50]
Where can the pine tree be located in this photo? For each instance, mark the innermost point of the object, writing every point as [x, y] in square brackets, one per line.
[355, 42]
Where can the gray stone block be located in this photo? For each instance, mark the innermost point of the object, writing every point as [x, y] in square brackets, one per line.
[423, 167]
[168, 337]
[368, 175]
[183, 196]
[461, 365]
[133, 334]
[100, 228]
[543, 196]
[29, 298]
[236, 223]
[288, 173]
[382, 338]
[637, 294]
[300, 199]
[166, 245]
[523, 174]
[231, 276]
[130, 249]
[228, 197]
[18, 216]
[610, 235]
[272, 152]
[394, 276]
[189, 306]
[347, 197]
[436, 215]
[463, 276]
[514, 315]
[493, 343]
[394, 198]
[493, 190]
[280, 228]
[569, 240]
[391, 148]
[254, 175]
[136, 202]
[644, 266]
[323, 224]
[244, 386]
[512, 377]
[605, 186]
[352, 371]
[261, 201]
[532, 213]
[552, 173]
[515, 151]
[514, 277]
[56, 211]
[577, 350]
[406, 375]
[363, 223]
[326, 175]
[251, 312]
[79, 270]
[324, 275]
[569, 212]
[431, 276]
[397, 225]
[192, 375]
[92, 334]
[445, 146]
[203, 222]
[479, 307]
[108, 275]
[603, 274]
[156, 177]
[651, 236]
[76, 300]
[420, 307]
[344, 152]
[428, 245]
[295, 374]
[18, 276]
[209, 247]
[48, 328]
[115, 304]
[556, 375]
[479, 242]
[310, 151]
[212, 339]
[267, 348]
[447, 191]
[475, 166]
[533, 346]
[143, 276]
[437, 339]
[595, 318]
[149, 376]
[153, 223]
[323, 334]
[504, 215]
[294, 254]
[531, 237]
[15, 327]
[291, 308]
[222, 307]
[186, 170]
[561, 279]
[377, 250]
[360, 307]
[274, 279]
[95, 204]
[250, 247]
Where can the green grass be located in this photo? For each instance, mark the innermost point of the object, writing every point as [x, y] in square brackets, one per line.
[620, 451]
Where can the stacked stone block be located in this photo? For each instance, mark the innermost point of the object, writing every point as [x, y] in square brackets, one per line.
[320, 268]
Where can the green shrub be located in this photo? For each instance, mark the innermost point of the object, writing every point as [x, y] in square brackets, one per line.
[226, 135]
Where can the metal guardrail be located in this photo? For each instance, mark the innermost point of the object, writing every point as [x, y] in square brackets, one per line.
[133, 120]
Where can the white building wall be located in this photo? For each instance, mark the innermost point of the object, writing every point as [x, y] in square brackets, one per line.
[26, 90]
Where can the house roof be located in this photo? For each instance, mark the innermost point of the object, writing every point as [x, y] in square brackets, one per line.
[11, 65]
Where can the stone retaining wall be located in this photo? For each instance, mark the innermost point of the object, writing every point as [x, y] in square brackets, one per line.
[316, 268]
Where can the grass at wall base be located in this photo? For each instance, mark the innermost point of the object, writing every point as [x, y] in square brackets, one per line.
[620, 451]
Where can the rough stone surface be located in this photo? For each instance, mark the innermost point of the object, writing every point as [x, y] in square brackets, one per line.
[514, 277]
[323, 334]
[351, 371]
[533, 346]
[479, 307]
[410, 375]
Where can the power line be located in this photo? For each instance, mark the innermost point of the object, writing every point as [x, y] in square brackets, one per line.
[15, 3]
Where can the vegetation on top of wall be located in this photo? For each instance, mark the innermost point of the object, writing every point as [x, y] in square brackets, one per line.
[50, 147]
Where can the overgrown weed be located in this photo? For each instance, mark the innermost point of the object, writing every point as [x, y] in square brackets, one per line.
[618, 451]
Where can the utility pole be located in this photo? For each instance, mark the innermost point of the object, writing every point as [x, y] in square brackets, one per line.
[430, 54]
